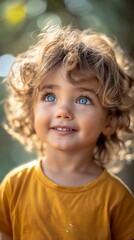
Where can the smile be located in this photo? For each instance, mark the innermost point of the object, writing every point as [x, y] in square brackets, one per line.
[63, 129]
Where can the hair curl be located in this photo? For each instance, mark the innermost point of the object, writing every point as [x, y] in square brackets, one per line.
[82, 53]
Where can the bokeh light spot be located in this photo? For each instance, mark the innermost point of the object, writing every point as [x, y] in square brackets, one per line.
[48, 18]
[35, 8]
[78, 7]
[6, 62]
[15, 13]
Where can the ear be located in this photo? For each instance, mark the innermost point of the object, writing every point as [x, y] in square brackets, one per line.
[111, 125]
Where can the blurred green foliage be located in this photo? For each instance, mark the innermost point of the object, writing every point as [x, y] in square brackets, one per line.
[22, 20]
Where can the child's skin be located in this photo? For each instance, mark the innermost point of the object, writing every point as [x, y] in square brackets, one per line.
[70, 97]
[69, 118]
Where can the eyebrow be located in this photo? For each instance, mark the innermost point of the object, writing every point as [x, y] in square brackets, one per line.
[48, 86]
[83, 89]
[53, 86]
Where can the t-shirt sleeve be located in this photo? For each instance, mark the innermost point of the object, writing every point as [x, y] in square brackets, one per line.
[5, 207]
[122, 224]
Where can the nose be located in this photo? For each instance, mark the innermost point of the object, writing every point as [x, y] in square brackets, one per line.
[64, 112]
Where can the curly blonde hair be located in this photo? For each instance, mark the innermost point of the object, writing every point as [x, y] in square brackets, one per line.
[82, 53]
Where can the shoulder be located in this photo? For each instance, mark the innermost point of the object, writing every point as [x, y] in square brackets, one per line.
[121, 208]
[116, 192]
[117, 184]
[18, 174]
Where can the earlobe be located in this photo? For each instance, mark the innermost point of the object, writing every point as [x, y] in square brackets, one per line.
[110, 127]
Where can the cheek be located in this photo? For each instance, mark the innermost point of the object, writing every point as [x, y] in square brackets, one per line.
[41, 119]
[93, 121]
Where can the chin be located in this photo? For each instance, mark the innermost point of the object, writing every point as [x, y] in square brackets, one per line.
[62, 147]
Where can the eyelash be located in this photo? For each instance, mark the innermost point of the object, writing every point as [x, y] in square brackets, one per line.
[85, 96]
[46, 93]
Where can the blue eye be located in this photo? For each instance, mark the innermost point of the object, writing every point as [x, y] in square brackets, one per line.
[84, 100]
[50, 98]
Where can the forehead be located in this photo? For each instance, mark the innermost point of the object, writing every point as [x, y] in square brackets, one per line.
[61, 77]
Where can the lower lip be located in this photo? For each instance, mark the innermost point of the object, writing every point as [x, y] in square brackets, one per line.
[63, 133]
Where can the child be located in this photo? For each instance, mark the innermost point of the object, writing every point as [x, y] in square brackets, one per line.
[70, 100]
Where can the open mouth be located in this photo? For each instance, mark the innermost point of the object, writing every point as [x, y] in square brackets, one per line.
[64, 129]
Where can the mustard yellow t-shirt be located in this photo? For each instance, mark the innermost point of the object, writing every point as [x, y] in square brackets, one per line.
[32, 207]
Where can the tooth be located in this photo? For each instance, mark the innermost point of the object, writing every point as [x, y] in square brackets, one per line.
[63, 129]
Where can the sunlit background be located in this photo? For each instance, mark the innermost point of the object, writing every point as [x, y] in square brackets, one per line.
[20, 23]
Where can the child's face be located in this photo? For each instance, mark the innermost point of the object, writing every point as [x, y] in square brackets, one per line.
[69, 117]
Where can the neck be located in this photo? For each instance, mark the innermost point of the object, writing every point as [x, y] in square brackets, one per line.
[70, 169]
[68, 161]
